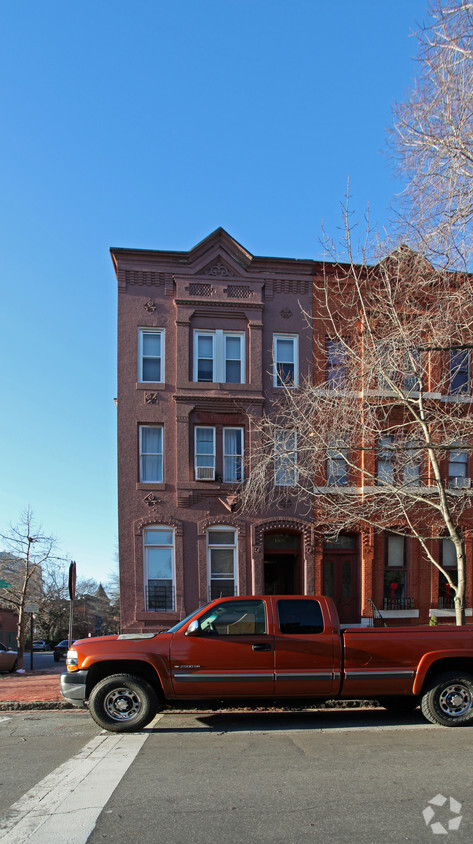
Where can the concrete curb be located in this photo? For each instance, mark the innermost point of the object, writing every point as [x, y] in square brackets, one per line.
[16, 706]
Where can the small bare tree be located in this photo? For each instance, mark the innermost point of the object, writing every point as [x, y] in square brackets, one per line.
[432, 137]
[379, 438]
[27, 551]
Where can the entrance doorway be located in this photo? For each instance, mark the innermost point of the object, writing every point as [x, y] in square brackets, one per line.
[282, 568]
[341, 577]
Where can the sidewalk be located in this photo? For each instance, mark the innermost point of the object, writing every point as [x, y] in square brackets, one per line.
[32, 690]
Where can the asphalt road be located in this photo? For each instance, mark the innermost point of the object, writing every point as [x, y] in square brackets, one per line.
[327, 776]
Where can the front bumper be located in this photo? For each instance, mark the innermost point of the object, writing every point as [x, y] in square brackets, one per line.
[73, 687]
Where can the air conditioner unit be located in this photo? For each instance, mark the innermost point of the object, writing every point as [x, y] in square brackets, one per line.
[204, 473]
[460, 483]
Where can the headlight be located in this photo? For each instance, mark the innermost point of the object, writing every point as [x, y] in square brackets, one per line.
[71, 654]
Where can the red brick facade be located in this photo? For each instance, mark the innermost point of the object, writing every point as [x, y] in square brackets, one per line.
[197, 332]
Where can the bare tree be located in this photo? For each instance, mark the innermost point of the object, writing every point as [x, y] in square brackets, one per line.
[432, 137]
[380, 437]
[27, 551]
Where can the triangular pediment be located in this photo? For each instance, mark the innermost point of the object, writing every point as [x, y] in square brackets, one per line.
[219, 256]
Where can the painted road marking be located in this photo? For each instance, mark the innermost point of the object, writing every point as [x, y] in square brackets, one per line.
[65, 805]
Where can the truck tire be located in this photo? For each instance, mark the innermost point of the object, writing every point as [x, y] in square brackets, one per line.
[123, 703]
[399, 704]
[449, 700]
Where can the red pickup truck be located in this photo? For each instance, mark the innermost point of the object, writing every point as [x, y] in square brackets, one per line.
[271, 649]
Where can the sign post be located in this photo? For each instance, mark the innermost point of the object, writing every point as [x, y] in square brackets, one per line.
[72, 595]
[32, 608]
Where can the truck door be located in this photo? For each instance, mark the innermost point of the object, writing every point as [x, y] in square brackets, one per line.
[306, 654]
[230, 655]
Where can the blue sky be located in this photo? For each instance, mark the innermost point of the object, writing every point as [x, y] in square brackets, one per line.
[148, 124]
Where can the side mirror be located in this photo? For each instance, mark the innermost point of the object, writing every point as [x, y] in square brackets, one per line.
[193, 629]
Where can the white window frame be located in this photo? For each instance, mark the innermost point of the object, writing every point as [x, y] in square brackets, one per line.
[216, 546]
[295, 341]
[151, 454]
[288, 456]
[219, 355]
[146, 578]
[212, 470]
[141, 333]
[458, 467]
[238, 456]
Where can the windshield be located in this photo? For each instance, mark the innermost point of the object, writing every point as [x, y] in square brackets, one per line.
[184, 620]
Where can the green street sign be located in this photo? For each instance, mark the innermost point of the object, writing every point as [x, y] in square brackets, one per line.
[4, 584]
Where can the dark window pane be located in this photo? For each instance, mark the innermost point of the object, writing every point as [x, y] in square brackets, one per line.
[205, 370]
[233, 372]
[300, 617]
[285, 373]
[151, 369]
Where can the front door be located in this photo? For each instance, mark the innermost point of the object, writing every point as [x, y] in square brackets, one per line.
[341, 581]
[282, 569]
[231, 655]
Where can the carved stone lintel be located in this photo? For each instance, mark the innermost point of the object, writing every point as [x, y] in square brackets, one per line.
[151, 398]
[151, 500]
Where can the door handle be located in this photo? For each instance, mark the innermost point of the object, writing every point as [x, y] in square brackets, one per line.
[261, 646]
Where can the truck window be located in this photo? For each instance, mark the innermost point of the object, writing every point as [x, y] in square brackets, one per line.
[235, 618]
[300, 617]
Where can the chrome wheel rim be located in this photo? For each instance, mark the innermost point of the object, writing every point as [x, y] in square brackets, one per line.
[455, 700]
[122, 704]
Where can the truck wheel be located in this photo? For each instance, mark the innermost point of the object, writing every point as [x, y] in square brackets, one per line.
[400, 704]
[449, 700]
[123, 703]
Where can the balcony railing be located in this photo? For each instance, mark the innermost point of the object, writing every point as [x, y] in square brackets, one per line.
[449, 603]
[400, 604]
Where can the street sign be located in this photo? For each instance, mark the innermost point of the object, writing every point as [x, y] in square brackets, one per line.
[4, 584]
[32, 608]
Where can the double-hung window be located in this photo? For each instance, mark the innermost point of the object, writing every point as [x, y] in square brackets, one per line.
[204, 452]
[222, 562]
[285, 360]
[386, 460]
[449, 562]
[226, 466]
[151, 355]
[232, 455]
[159, 568]
[219, 356]
[336, 363]
[412, 463]
[285, 457]
[151, 454]
[457, 467]
[459, 372]
[337, 467]
[395, 572]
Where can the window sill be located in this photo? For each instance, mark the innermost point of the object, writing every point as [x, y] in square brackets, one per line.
[150, 385]
[399, 613]
[150, 485]
[446, 613]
